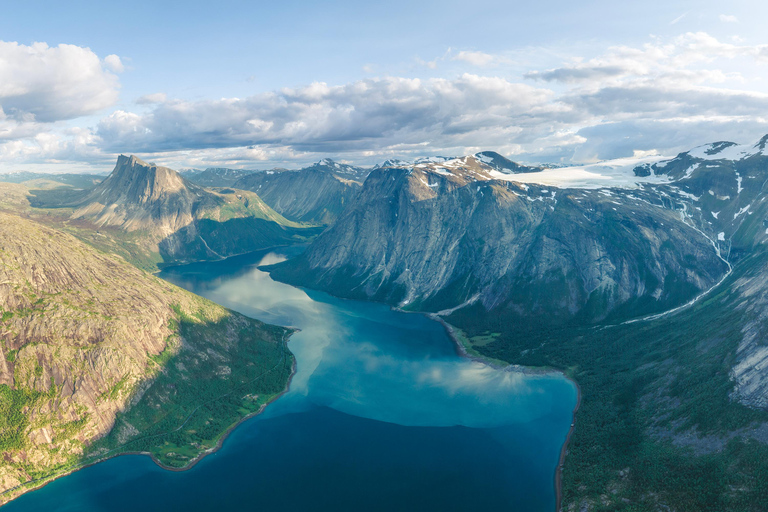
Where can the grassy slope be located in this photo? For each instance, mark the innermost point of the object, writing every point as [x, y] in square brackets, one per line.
[656, 425]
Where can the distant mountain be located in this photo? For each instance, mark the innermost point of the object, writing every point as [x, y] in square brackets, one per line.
[503, 164]
[315, 194]
[99, 357]
[402, 164]
[489, 159]
[180, 220]
[215, 176]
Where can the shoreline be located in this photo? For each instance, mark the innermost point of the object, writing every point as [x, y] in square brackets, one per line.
[461, 350]
[192, 463]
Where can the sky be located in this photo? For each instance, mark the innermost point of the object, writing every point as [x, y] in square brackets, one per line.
[249, 84]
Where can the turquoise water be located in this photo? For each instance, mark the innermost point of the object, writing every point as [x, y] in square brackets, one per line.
[381, 415]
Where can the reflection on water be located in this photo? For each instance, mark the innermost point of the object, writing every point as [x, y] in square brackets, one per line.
[368, 361]
[366, 378]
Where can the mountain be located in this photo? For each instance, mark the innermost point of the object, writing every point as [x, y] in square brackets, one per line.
[99, 358]
[489, 159]
[157, 208]
[443, 234]
[315, 194]
[215, 176]
[392, 162]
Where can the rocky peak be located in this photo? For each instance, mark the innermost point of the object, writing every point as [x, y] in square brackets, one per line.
[138, 195]
[136, 181]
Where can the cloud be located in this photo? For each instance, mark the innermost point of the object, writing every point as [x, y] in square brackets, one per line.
[150, 99]
[667, 95]
[678, 19]
[113, 63]
[45, 84]
[653, 59]
[364, 115]
[577, 73]
[475, 58]
[728, 18]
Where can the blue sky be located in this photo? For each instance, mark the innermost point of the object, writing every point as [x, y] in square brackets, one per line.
[257, 84]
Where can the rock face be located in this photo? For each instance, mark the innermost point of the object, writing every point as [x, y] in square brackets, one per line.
[750, 373]
[441, 235]
[180, 220]
[315, 194]
[83, 336]
[138, 196]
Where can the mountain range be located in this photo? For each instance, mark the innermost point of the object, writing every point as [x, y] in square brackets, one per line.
[642, 279]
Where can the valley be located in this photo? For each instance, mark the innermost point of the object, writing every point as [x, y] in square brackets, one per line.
[643, 282]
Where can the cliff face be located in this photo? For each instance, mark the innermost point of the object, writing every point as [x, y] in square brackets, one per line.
[317, 194]
[84, 337]
[137, 195]
[441, 235]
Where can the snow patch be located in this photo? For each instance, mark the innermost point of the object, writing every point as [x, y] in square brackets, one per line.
[741, 212]
[609, 174]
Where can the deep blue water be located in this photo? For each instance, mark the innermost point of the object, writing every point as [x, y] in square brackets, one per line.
[381, 415]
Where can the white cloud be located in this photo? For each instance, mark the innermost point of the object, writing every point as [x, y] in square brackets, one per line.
[150, 99]
[44, 84]
[653, 59]
[728, 18]
[364, 115]
[114, 63]
[678, 19]
[667, 95]
[475, 58]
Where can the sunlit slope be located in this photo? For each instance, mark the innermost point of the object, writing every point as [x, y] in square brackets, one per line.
[93, 347]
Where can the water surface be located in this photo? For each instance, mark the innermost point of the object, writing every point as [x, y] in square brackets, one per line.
[382, 415]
